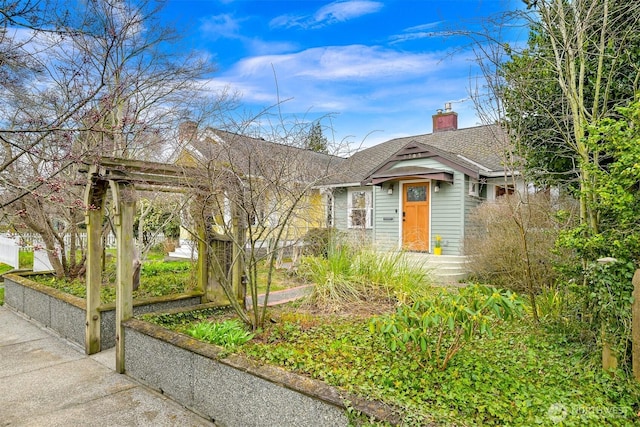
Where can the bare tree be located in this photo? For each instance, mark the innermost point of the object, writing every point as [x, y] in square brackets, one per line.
[262, 198]
[104, 79]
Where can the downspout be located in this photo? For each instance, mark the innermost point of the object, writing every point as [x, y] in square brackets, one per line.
[463, 216]
[374, 214]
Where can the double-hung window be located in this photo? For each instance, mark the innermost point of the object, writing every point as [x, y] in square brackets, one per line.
[360, 209]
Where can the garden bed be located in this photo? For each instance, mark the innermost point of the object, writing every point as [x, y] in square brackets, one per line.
[66, 313]
[525, 374]
[233, 390]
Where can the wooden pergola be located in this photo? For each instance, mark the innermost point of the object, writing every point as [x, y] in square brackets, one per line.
[123, 177]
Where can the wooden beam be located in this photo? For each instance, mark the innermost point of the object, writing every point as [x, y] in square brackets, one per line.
[147, 173]
[125, 204]
[144, 166]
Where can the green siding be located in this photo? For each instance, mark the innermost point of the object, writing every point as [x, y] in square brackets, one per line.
[340, 208]
[387, 217]
[447, 219]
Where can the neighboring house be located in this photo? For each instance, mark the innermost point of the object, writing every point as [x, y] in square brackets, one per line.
[273, 176]
[403, 193]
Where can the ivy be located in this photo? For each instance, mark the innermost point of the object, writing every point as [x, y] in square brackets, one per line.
[228, 334]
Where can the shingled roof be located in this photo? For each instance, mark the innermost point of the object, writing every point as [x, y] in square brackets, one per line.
[479, 149]
[253, 156]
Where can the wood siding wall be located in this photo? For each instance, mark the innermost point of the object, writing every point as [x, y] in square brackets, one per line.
[447, 214]
[386, 217]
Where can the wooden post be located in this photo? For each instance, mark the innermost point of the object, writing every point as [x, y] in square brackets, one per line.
[94, 201]
[125, 204]
[609, 358]
[237, 269]
[203, 219]
[635, 326]
[203, 262]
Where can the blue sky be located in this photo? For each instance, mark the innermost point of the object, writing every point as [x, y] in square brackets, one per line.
[370, 70]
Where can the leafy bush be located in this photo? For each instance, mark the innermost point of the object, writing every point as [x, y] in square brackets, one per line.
[228, 334]
[609, 298]
[1, 296]
[155, 268]
[440, 326]
[317, 240]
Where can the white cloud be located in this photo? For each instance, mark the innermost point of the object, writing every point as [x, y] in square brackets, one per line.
[357, 83]
[288, 21]
[349, 79]
[422, 27]
[418, 32]
[333, 63]
[341, 11]
[221, 26]
[332, 13]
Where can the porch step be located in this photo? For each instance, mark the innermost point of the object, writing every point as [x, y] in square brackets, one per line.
[443, 268]
[186, 250]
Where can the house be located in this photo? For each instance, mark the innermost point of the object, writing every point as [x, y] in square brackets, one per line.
[402, 193]
[260, 180]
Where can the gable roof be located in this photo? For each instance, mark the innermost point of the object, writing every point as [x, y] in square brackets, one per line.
[254, 156]
[476, 151]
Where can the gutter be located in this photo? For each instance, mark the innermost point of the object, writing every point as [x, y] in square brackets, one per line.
[488, 172]
[484, 168]
[350, 184]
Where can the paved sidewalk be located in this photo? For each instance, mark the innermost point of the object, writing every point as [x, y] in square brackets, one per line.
[46, 381]
[283, 296]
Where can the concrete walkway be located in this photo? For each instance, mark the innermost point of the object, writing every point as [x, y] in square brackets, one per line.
[282, 297]
[45, 381]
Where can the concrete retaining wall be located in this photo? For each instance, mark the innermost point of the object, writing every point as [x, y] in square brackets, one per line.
[233, 391]
[65, 313]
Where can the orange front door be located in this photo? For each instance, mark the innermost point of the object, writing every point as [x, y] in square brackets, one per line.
[415, 216]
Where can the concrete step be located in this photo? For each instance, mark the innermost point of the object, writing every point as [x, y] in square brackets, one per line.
[185, 251]
[443, 268]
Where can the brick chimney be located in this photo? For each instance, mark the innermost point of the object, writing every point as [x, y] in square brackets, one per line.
[187, 130]
[447, 120]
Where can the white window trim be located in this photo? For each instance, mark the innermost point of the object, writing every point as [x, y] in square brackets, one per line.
[368, 207]
[330, 210]
[474, 188]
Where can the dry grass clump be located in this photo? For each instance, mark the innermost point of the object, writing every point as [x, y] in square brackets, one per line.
[351, 277]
